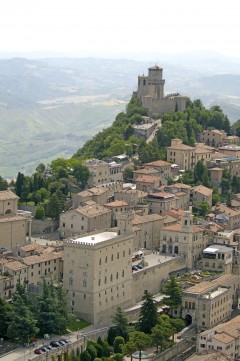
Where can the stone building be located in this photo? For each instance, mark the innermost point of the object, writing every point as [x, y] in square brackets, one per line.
[150, 93]
[201, 194]
[164, 169]
[183, 238]
[13, 227]
[98, 272]
[224, 338]
[116, 207]
[102, 172]
[160, 201]
[211, 302]
[147, 183]
[186, 157]
[84, 219]
[218, 258]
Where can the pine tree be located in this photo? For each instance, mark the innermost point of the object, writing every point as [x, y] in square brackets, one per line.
[174, 291]
[148, 313]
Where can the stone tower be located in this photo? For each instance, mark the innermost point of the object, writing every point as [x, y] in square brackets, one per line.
[187, 222]
[124, 222]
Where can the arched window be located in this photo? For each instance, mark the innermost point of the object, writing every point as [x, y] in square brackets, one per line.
[117, 276]
[112, 258]
[105, 279]
[123, 273]
[99, 282]
[123, 253]
[84, 283]
[100, 261]
[118, 255]
[106, 259]
[70, 281]
[111, 278]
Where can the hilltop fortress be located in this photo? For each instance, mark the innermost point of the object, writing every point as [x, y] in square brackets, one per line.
[151, 94]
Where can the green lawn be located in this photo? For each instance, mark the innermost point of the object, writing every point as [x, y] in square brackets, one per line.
[75, 324]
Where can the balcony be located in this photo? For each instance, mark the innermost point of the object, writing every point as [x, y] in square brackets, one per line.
[8, 287]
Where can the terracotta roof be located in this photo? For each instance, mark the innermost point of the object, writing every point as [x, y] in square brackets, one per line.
[15, 265]
[146, 171]
[44, 257]
[178, 228]
[11, 218]
[145, 219]
[30, 247]
[181, 146]
[116, 204]
[8, 194]
[92, 211]
[223, 337]
[161, 194]
[203, 190]
[182, 185]
[158, 163]
[147, 179]
[176, 213]
[206, 285]
[222, 208]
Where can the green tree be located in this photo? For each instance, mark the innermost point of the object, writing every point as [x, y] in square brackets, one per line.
[204, 208]
[117, 344]
[148, 313]
[19, 184]
[160, 334]
[22, 324]
[85, 356]
[140, 340]
[3, 184]
[174, 293]
[55, 205]
[121, 323]
[4, 317]
[129, 348]
[92, 352]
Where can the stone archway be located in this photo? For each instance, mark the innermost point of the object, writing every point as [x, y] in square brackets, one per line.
[176, 249]
[170, 248]
[188, 319]
[164, 248]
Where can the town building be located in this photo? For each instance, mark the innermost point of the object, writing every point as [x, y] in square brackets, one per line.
[147, 183]
[102, 172]
[150, 93]
[116, 207]
[210, 303]
[231, 164]
[224, 338]
[232, 151]
[98, 272]
[183, 238]
[217, 138]
[160, 201]
[201, 194]
[163, 167]
[217, 258]
[84, 219]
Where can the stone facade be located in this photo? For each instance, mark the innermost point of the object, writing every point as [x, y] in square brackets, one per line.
[211, 302]
[150, 92]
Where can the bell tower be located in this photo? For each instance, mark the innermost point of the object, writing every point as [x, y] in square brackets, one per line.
[124, 222]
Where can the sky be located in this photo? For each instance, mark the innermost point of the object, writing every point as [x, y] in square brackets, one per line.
[105, 27]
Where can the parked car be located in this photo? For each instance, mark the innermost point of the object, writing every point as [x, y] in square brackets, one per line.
[43, 349]
[65, 340]
[2, 250]
[62, 343]
[55, 344]
[134, 268]
[38, 351]
[139, 266]
[48, 347]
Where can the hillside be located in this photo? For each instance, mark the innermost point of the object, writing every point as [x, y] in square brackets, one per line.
[50, 107]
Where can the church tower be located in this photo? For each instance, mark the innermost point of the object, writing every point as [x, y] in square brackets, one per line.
[187, 222]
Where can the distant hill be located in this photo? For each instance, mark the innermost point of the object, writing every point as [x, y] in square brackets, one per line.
[51, 106]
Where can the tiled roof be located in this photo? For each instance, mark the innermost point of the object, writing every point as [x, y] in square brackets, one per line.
[8, 194]
[11, 218]
[116, 204]
[182, 185]
[158, 163]
[181, 146]
[145, 219]
[206, 285]
[30, 247]
[203, 190]
[44, 257]
[15, 265]
[92, 211]
[223, 337]
[178, 228]
[147, 179]
[146, 171]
